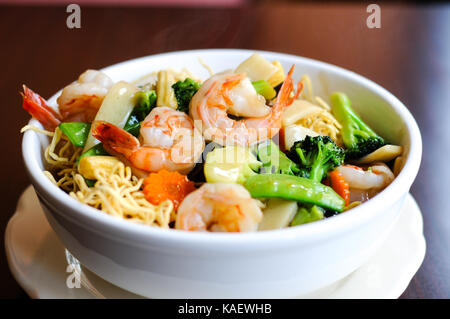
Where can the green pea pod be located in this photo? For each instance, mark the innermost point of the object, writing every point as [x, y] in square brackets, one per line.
[294, 188]
[133, 125]
[93, 151]
[76, 132]
[90, 182]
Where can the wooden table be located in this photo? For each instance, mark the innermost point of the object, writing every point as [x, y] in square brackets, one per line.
[409, 55]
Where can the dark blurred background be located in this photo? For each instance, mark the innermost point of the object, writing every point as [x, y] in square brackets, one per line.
[409, 56]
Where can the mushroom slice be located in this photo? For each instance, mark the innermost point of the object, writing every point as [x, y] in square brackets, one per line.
[383, 154]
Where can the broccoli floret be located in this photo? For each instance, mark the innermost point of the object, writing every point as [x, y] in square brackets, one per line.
[184, 91]
[145, 102]
[316, 156]
[359, 139]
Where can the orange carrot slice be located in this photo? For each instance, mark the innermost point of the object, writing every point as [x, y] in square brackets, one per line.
[340, 186]
[165, 185]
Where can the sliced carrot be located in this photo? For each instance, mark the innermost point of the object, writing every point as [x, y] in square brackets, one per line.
[340, 186]
[165, 185]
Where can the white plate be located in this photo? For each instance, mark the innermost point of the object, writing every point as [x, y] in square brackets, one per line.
[39, 262]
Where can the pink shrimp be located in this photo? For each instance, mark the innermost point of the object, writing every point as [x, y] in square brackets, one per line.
[81, 100]
[365, 184]
[169, 141]
[219, 207]
[78, 101]
[227, 93]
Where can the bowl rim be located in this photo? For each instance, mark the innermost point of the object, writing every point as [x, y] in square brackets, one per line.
[116, 228]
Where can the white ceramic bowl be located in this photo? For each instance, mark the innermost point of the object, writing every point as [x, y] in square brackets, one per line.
[271, 264]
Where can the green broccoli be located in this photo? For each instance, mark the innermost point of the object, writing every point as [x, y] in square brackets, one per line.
[316, 156]
[145, 102]
[184, 91]
[359, 139]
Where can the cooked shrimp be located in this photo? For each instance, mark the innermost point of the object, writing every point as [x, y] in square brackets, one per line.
[219, 207]
[376, 177]
[38, 108]
[81, 100]
[233, 93]
[78, 102]
[169, 141]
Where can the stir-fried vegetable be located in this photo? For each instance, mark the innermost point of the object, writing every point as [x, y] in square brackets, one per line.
[340, 186]
[308, 215]
[278, 213]
[278, 77]
[258, 68]
[145, 102]
[184, 91]
[89, 164]
[294, 188]
[164, 90]
[230, 164]
[358, 137]
[293, 133]
[317, 156]
[384, 154]
[115, 109]
[263, 88]
[76, 132]
[165, 185]
[94, 151]
[274, 160]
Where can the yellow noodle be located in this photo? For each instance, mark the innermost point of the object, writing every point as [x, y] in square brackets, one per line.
[117, 192]
[307, 92]
[33, 128]
[206, 66]
[322, 103]
[184, 74]
[61, 155]
[322, 122]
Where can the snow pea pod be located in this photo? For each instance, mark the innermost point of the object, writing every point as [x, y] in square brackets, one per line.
[294, 188]
[76, 132]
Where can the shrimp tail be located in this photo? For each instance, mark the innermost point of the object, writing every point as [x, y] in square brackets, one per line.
[286, 89]
[114, 138]
[37, 107]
